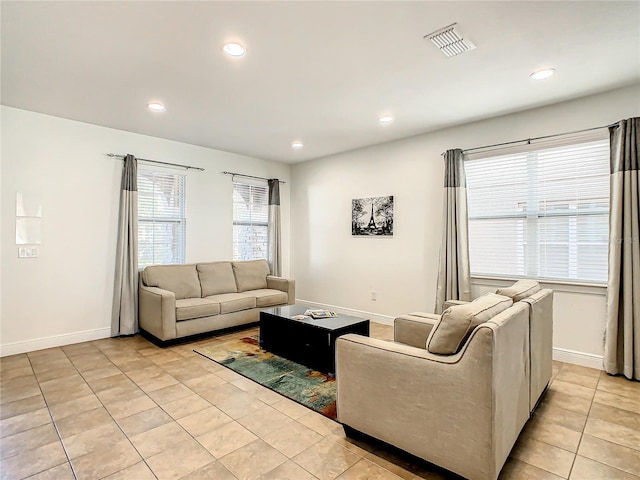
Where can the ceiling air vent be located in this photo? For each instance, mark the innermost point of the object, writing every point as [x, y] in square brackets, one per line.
[450, 41]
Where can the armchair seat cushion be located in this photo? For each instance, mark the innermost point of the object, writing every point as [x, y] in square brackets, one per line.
[457, 322]
[233, 302]
[188, 308]
[267, 297]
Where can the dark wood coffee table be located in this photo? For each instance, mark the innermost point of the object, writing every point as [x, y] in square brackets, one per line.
[311, 342]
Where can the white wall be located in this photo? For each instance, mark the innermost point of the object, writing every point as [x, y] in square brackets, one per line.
[64, 295]
[333, 268]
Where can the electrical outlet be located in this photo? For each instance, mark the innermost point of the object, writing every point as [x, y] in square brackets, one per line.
[374, 296]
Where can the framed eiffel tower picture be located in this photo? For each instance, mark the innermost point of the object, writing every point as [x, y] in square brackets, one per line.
[372, 216]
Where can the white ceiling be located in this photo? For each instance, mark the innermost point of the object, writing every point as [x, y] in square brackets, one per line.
[320, 72]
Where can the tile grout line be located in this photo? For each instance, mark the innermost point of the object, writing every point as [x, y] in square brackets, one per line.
[285, 398]
[55, 426]
[575, 456]
[107, 410]
[258, 436]
[160, 407]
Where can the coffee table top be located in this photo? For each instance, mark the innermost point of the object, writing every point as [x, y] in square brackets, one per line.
[331, 323]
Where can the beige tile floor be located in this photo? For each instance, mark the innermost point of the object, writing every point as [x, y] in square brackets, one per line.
[124, 409]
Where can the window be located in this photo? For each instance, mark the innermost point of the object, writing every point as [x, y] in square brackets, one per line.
[541, 213]
[250, 221]
[161, 217]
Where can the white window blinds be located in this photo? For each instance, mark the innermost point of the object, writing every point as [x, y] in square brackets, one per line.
[161, 217]
[541, 213]
[250, 221]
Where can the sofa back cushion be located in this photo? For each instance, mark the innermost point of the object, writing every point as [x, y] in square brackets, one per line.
[251, 274]
[519, 290]
[457, 322]
[180, 279]
[216, 278]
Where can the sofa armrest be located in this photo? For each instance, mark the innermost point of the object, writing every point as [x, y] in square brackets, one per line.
[285, 285]
[157, 312]
[414, 328]
[451, 303]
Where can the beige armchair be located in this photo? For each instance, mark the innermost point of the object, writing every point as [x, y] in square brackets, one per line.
[540, 303]
[462, 411]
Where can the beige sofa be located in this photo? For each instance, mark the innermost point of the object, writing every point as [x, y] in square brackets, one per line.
[462, 411]
[178, 301]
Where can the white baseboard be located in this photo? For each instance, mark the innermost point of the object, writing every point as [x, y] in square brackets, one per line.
[578, 358]
[54, 341]
[374, 317]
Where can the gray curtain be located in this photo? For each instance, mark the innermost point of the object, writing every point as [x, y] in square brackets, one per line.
[454, 278]
[124, 319]
[273, 242]
[622, 337]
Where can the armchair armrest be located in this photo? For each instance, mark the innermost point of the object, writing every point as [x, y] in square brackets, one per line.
[414, 328]
[157, 312]
[285, 285]
[451, 303]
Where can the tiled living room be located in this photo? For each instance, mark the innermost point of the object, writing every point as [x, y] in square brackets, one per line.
[156, 155]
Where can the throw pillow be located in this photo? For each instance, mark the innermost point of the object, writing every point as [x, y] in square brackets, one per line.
[457, 322]
[519, 290]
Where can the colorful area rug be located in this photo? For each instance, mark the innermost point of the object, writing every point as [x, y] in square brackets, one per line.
[310, 388]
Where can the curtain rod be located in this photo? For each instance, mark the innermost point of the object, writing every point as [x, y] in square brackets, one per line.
[187, 167]
[529, 140]
[234, 174]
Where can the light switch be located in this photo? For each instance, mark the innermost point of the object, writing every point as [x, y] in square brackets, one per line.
[25, 252]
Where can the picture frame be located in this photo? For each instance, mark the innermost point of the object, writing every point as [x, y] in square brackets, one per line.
[372, 216]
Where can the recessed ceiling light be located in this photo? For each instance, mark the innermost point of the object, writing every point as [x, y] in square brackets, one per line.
[385, 119]
[233, 49]
[297, 145]
[156, 107]
[542, 74]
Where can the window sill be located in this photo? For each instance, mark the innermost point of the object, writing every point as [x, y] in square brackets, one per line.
[556, 285]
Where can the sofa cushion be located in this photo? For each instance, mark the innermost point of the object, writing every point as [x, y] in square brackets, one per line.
[457, 322]
[189, 308]
[519, 290]
[216, 278]
[251, 275]
[233, 302]
[182, 280]
[267, 297]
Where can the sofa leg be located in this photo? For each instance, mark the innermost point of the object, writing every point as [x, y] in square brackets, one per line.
[352, 433]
